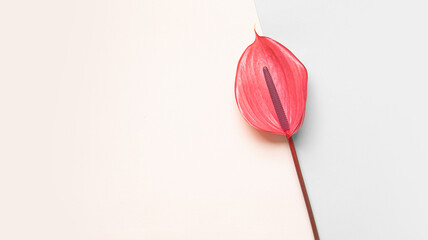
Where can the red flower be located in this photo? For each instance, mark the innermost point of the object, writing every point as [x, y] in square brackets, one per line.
[270, 87]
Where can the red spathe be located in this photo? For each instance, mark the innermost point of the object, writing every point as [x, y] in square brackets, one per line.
[254, 99]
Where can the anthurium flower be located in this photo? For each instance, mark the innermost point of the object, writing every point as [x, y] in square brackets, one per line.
[270, 87]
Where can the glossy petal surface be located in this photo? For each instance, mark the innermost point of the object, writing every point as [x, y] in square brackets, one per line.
[270, 86]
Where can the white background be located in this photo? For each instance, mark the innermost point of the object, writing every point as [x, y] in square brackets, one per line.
[118, 121]
[363, 144]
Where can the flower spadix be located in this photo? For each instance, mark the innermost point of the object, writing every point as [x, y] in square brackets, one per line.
[270, 87]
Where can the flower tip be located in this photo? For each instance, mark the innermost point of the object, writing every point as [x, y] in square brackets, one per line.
[255, 31]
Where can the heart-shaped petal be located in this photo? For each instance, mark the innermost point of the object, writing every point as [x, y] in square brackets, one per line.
[270, 87]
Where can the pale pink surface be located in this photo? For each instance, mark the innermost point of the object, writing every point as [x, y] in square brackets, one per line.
[252, 94]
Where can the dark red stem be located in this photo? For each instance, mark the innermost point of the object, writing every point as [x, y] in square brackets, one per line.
[303, 187]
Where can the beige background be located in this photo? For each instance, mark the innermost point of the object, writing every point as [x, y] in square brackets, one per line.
[118, 121]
